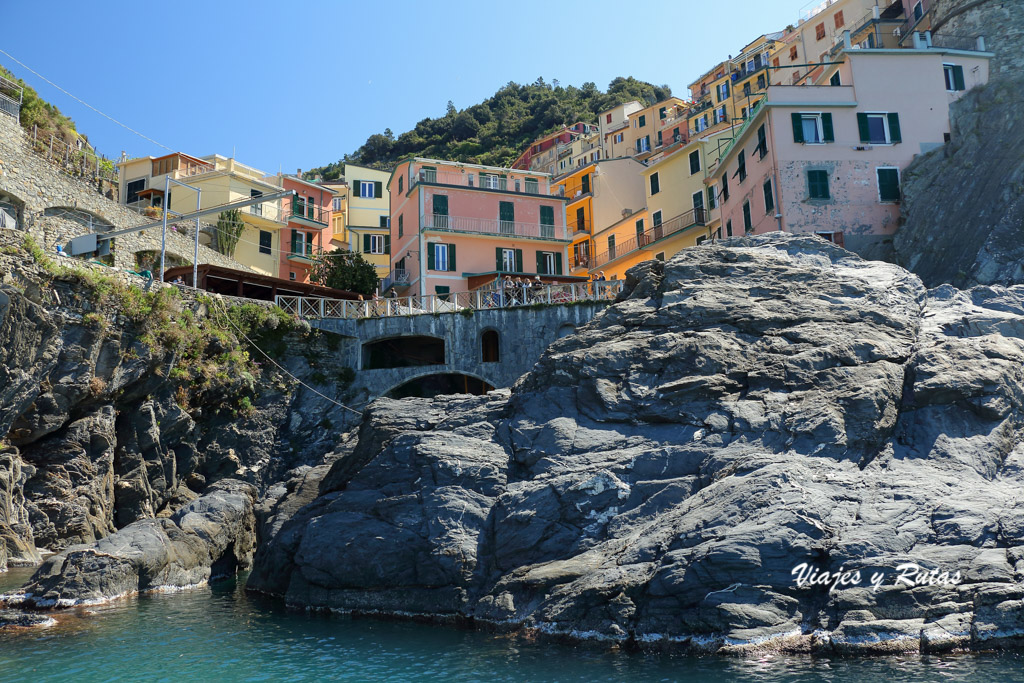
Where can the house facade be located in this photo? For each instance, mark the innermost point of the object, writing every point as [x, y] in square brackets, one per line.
[459, 227]
[369, 209]
[827, 159]
[308, 230]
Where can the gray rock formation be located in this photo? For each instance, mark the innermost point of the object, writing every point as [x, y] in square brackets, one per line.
[963, 203]
[745, 408]
[213, 536]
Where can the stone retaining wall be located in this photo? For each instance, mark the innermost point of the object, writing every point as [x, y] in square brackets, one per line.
[35, 185]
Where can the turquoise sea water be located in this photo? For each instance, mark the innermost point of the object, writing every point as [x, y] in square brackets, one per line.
[222, 634]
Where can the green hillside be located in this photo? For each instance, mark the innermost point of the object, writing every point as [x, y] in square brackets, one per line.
[36, 111]
[497, 130]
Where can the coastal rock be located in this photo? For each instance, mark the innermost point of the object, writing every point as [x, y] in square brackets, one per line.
[745, 408]
[212, 536]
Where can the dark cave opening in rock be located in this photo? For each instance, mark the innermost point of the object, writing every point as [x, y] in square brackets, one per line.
[439, 384]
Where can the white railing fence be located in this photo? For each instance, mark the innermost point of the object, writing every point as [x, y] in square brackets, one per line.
[312, 308]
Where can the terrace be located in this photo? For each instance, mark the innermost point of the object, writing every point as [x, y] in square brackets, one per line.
[684, 221]
[497, 228]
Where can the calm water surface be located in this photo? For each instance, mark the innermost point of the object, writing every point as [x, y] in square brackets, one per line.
[222, 634]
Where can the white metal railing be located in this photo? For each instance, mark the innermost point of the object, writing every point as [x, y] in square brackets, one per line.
[490, 181]
[505, 296]
[487, 226]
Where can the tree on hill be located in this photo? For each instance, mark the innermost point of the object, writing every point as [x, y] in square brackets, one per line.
[344, 269]
[496, 131]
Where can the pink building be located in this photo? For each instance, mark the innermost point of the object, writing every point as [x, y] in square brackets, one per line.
[308, 213]
[457, 227]
[827, 159]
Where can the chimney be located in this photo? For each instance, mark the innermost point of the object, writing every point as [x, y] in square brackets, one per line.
[298, 172]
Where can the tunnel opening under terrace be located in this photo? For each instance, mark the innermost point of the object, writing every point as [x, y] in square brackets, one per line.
[440, 384]
[403, 352]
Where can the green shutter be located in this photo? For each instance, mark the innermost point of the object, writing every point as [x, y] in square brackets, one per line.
[295, 241]
[451, 258]
[547, 215]
[440, 202]
[519, 260]
[558, 263]
[507, 211]
[826, 126]
[378, 189]
[958, 78]
[798, 127]
[353, 186]
[430, 257]
[888, 185]
[540, 262]
[387, 244]
[497, 259]
[862, 125]
[366, 244]
[894, 127]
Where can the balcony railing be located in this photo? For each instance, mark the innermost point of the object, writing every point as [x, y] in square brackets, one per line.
[673, 225]
[397, 277]
[573, 188]
[480, 300]
[579, 226]
[580, 262]
[486, 181]
[486, 226]
[302, 251]
[303, 208]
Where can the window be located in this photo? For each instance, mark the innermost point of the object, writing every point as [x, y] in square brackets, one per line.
[835, 79]
[701, 239]
[611, 247]
[639, 230]
[839, 19]
[655, 184]
[336, 204]
[607, 118]
[888, 184]
[728, 228]
[643, 144]
[133, 188]
[817, 185]
[662, 114]
[762, 143]
[428, 174]
[741, 166]
[954, 75]
[441, 256]
[660, 256]
[722, 91]
[400, 179]
[918, 12]
[747, 225]
[812, 128]
[761, 82]
[695, 161]
[266, 240]
[442, 291]
[712, 198]
[675, 134]
[792, 54]
[585, 183]
[401, 225]
[491, 181]
[508, 260]
[746, 89]
[291, 275]
[489, 351]
[769, 198]
[506, 218]
[301, 243]
[439, 202]
[641, 121]
[376, 244]
[385, 222]
[819, 31]
[660, 143]
[549, 263]
[656, 219]
[531, 186]
[725, 187]
[366, 189]
[702, 123]
[547, 221]
[879, 128]
[257, 209]
[720, 115]
[619, 137]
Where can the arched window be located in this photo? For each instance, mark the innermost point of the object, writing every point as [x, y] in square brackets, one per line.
[489, 347]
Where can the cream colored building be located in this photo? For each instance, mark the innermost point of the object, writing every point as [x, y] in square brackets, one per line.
[222, 180]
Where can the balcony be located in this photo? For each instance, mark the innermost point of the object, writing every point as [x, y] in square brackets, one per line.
[469, 178]
[497, 228]
[672, 226]
[579, 263]
[575, 189]
[578, 228]
[307, 213]
[398, 277]
[301, 252]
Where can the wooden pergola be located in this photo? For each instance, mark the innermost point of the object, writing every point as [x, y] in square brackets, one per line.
[231, 282]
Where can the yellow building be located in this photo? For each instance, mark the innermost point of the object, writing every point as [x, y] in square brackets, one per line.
[222, 180]
[368, 228]
[600, 194]
[648, 130]
[339, 213]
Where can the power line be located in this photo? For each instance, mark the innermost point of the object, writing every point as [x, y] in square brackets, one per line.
[279, 366]
[80, 100]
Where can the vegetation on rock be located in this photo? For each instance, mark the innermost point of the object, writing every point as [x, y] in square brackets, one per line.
[497, 130]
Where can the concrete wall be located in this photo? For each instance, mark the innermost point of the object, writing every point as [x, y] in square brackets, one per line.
[38, 185]
[524, 334]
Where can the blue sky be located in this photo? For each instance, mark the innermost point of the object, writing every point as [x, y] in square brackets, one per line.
[289, 85]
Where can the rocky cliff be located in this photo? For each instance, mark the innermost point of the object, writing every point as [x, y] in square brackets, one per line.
[745, 409]
[119, 404]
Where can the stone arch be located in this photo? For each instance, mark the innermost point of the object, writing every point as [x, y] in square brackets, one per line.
[88, 219]
[565, 329]
[490, 345]
[13, 208]
[402, 351]
[149, 259]
[484, 384]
